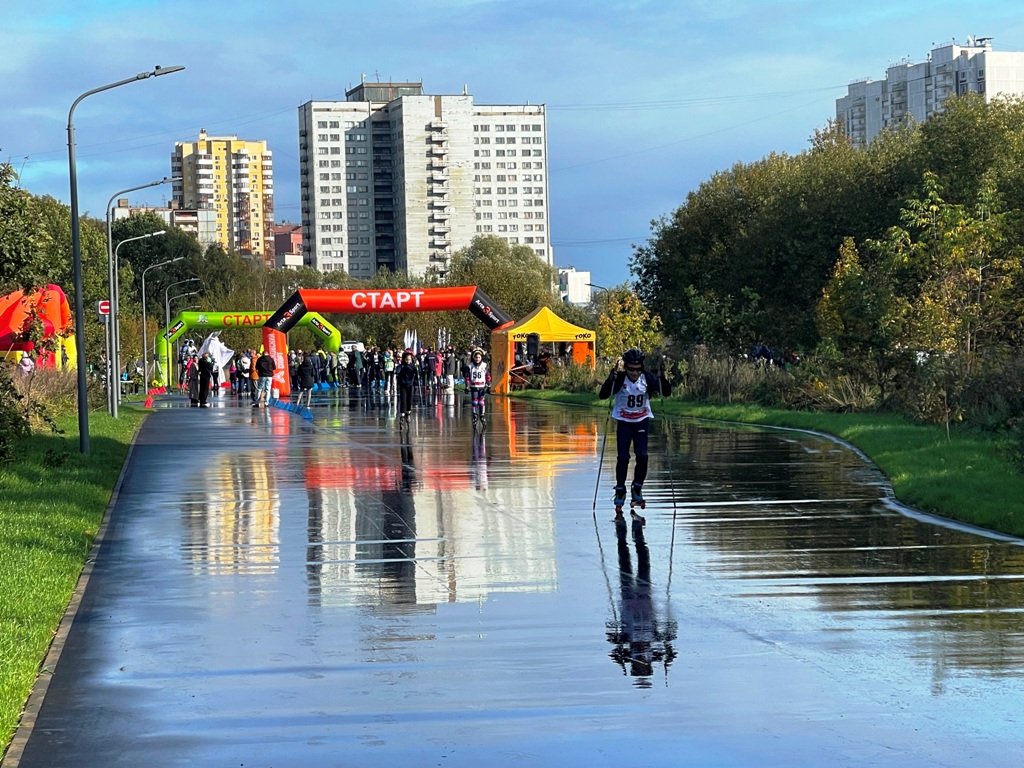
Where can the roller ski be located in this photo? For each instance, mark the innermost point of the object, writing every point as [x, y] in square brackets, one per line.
[637, 500]
[619, 499]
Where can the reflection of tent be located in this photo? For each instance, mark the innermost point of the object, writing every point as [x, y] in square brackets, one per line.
[551, 329]
[51, 306]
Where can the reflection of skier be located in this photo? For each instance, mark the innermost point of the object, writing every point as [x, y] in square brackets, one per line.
[639, 638]
[408, 464]
[479, 461]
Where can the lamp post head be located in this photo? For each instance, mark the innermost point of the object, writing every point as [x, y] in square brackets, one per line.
[158, 232]
[158, 70]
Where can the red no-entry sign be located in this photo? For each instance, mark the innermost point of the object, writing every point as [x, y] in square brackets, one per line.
[103, 307]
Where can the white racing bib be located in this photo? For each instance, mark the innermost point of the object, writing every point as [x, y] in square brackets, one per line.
[631, 402]
[478, 375]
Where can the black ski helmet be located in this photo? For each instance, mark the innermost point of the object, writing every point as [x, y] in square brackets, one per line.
[633, 356]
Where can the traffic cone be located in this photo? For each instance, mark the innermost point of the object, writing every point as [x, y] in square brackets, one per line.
[149, 402]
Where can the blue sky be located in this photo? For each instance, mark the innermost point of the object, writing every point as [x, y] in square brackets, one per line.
[645, 99]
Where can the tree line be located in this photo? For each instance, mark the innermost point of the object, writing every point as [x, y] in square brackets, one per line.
[35, 249]
[897, 266]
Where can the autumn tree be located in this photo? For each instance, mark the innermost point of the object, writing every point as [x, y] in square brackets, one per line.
[862, 320]
[625, 322]
[515, 278]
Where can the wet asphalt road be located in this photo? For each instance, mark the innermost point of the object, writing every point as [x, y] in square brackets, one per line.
[278, 592]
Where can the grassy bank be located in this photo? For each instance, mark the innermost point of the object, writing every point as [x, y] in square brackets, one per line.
[52, 501]
[966, 478]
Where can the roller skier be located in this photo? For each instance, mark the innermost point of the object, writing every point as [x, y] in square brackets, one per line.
[632, 387]
[478, 384]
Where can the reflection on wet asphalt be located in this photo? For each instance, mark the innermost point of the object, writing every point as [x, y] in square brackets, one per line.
[275, 592]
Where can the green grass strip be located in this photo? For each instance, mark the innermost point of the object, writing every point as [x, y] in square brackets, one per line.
[966, 478]
[52, 500]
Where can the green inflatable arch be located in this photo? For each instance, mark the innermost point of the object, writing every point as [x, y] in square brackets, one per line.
[328, 335]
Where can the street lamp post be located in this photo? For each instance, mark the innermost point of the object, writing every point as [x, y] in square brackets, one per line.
[145, 362]
[114, 281]
[167, 311]
[76, 252]
[114, 353]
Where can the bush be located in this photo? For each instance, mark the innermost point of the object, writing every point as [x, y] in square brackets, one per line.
[571, 378]
[725, 380]
[14, 424]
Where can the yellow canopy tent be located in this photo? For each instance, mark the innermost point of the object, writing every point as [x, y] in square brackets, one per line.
[552, 330]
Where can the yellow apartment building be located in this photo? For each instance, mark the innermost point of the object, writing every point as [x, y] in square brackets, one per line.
[235, 179]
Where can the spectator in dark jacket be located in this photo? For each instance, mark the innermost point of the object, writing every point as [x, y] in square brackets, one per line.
[305, 378]
[405, 377]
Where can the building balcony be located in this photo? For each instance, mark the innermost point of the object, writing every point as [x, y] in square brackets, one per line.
[437, 151]
[441, 230]
[439, 139]
[440, 242]
[440, 216]
[440, 205]
[438, 125]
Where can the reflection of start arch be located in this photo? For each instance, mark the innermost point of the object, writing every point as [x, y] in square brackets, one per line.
[327, 334]
[366, 302]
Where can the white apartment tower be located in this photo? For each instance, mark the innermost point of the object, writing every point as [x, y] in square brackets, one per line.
[394, 178]
[918, 91]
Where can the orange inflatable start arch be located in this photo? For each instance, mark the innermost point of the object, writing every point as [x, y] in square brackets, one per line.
[368, 301]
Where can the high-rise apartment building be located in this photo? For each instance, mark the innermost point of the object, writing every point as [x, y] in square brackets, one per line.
[395, 178]
[574, 286]
[235, 179]
[920, 90]
[200, 223]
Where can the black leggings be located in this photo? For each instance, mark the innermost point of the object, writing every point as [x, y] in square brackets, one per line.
[404, 399]
[634, 432]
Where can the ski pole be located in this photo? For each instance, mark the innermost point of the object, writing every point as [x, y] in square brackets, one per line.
[600, 463]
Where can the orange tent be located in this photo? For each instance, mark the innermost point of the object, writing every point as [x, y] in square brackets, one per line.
[551, 329]
[50, 305]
